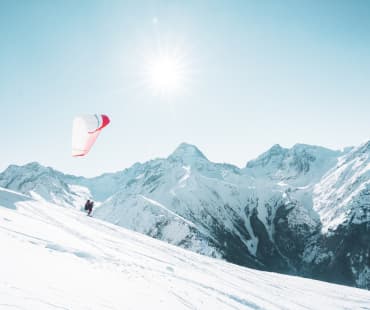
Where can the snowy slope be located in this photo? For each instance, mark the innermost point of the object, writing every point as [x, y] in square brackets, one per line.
[59, 258]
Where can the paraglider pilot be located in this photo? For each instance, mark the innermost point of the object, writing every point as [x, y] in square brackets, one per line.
[89, 206]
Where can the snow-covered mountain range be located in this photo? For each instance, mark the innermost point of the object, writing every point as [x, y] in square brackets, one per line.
[56, 258]
[303, 210]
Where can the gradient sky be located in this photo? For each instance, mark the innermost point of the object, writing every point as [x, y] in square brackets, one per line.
[257, 73]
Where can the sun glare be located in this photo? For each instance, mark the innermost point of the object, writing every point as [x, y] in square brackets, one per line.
[166, 74]
[166, 68]
[166, 71]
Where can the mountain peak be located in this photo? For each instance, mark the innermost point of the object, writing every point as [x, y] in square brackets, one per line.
[274, 154]
[309, 147]
[187, 153]
[34, 165]
[276, 148]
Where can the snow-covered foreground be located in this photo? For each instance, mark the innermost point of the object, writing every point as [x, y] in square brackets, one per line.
[58, 258]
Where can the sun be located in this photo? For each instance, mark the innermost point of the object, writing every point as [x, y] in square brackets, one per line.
[166, 63]
[167, 71]
[166, 74]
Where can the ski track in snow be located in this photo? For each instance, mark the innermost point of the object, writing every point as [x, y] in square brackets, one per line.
[58, 258]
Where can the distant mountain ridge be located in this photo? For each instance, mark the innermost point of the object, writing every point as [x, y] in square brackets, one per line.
[303, 210]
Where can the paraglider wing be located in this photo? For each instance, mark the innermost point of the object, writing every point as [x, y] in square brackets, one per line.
[86, 129]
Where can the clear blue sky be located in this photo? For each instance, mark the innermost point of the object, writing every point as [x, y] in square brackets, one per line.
[257, 73]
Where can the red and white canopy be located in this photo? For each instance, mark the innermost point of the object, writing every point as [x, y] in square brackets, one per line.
[86, 129]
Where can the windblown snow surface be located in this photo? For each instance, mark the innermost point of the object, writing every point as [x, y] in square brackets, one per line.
[54, 257]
